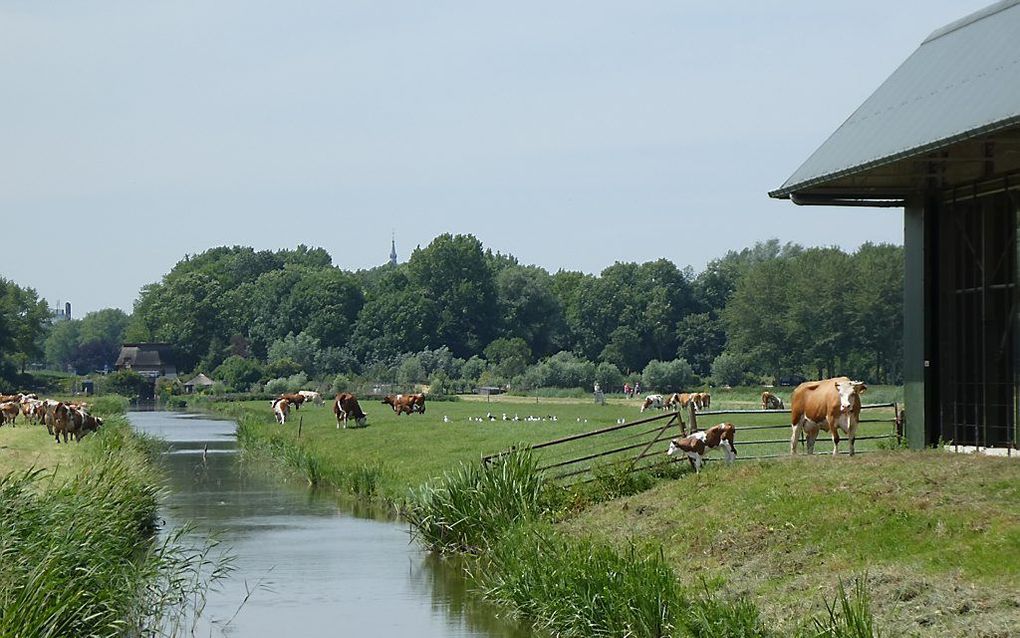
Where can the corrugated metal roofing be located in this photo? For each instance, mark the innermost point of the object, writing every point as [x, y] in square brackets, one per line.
[963, 81]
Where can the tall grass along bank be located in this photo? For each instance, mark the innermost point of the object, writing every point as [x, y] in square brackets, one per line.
[570, 586]
[78, 552]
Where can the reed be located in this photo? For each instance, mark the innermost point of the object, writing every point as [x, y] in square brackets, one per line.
[576, 587]
[78, 555]
[472, 504]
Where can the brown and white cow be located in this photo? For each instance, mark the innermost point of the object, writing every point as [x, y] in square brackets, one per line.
[829, 404]
[9, 411]
[346, 406]
[698, 443]
[417, 403]
[295, 399]
[770, 401]
[281, 410]
[400, 403]
[652, 401]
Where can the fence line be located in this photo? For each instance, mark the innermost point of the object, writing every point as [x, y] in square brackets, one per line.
[577, 455]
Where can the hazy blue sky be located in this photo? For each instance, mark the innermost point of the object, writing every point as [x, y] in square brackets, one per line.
[570, 134]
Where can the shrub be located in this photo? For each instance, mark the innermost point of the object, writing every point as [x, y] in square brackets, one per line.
[239, 373]
[728, 369]
[668, 376]
[125, 382]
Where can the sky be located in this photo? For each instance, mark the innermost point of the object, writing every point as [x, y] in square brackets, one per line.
[569, 134]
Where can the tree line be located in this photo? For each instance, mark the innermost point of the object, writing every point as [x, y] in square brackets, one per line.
[458, 311]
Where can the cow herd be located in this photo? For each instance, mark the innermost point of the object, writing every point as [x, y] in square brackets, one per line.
[62, 419]
[345, 405]
[832, 405]
[677, 401]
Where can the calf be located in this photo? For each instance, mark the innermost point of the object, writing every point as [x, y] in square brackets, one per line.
[345, 406]
[695, 445]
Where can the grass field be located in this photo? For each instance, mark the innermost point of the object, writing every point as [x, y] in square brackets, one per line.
[937, 534]
[395, 453]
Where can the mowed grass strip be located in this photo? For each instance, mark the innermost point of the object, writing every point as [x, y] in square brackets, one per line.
[938, 534]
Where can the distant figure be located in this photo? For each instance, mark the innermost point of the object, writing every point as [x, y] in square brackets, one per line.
[600, 398]
[637, 388]
[626, 390]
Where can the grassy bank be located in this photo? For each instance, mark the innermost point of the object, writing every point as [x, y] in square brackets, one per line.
[938, 535]
[78, 551]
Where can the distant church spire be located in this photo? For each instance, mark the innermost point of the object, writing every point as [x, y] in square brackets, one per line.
[393, 250]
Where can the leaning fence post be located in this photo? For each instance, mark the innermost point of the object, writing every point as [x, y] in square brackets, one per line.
[693, 411]
[300, 422]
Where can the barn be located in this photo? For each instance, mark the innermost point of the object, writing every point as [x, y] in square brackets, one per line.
[940, 139]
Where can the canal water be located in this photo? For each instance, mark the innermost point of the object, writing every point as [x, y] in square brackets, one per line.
[316, 566]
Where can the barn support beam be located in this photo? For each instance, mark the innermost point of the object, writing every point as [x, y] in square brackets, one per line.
[918, 357]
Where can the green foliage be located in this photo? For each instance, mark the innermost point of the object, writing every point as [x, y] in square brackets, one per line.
[508, 357]
[609, 377]
[124, 382]
[22, 319]
[301, 349]
[239, 373]
[729, 369]
[471, 505]
[668, 376]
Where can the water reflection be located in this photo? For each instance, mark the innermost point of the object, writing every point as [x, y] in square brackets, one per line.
[323, 567]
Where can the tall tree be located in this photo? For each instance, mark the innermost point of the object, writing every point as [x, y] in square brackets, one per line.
[453, 272]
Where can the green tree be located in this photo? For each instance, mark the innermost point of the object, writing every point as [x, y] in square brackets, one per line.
[239, 373]
[530, 309]
[508, 357]
[453, 272]
[700, 339]
[61, 342]
[23, 317]
[301, 348]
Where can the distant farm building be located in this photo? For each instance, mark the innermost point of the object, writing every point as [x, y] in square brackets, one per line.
[941, 139]
[199, 383]
[151, 360]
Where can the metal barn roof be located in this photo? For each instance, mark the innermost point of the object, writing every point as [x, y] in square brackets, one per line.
[963, 82]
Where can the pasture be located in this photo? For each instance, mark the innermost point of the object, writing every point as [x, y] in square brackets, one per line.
[937, 535]
[395, 453]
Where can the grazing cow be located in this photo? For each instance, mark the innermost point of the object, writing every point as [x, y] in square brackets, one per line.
[312, 396]
[652, 401]
[28, 409]
[89, 424]
[281, 409]
[701, 400]
[9, 412]
[64, 422]
[50, 406]
[770, 401]
[346, 406]
[677, 401]
[695, 445]
[401, 403]
[829, 404]
[417, 403]
[294, 399]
